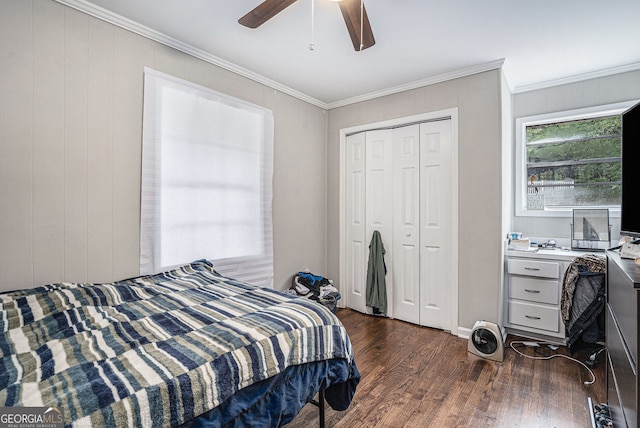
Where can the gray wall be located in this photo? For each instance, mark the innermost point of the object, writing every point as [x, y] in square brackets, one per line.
[588, 93]
[70, 147]
[478, 100]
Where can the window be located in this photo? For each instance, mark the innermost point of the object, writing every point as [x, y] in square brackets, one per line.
[207, 166]
[568, 160]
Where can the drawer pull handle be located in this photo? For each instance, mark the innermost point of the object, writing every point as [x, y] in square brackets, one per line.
[531, 291]
[530, 268]
[532, 317]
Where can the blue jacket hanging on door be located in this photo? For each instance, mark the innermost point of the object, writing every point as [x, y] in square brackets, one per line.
[376, 271]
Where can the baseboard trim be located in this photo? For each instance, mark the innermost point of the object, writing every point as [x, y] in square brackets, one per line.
[464, 333]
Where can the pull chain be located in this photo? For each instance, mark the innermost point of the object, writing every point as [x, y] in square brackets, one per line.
[361, 24]
[311, 45]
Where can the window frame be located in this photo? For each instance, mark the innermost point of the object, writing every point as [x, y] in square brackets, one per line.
[254, 268]
[520, 184]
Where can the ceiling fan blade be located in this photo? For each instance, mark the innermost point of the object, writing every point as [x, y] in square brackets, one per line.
[351, 13]
[263, 12]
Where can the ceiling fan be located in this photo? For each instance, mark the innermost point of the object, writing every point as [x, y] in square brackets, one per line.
[353, 12]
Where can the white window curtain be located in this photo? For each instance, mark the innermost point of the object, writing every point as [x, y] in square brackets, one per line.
[207, 168]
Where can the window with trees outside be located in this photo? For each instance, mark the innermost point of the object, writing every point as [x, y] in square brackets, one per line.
[568, 160]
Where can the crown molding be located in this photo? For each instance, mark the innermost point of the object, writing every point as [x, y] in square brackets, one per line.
[137, 28]
[577, 78]
[142, 30]
[420, 83]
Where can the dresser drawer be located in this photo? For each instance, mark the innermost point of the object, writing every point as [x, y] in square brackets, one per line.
[533, 268]
[622, 370]
[534, 316]
[534, 289]
[623, 300]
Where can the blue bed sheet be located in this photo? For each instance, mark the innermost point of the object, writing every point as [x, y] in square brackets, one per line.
[276, 401]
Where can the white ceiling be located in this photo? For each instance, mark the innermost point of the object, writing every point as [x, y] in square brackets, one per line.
[541, 41]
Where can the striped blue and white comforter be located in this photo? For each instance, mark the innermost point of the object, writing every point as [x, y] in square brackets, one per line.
[154, 350]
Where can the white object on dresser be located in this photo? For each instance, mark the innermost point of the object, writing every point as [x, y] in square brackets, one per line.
[532, 290]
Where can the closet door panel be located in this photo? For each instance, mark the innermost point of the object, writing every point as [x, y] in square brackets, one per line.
[376, 201]
[430, 294]
[356, 246]
[379, 188]
[406, 217]
[435, 224]
[432, 216]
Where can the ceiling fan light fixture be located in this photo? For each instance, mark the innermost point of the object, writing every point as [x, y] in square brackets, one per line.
[353, 12]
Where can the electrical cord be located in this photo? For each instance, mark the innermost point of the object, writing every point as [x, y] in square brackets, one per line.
[595, 354]
[522, 342]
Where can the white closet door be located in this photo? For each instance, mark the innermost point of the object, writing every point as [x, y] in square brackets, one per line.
[356, 248]
[379, 190]
[435, 224]
[406, 217]
[399, 183]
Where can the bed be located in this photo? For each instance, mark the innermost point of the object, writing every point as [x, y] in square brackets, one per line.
[187, 347]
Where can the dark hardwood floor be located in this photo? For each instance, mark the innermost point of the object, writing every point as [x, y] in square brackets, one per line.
[415, 376]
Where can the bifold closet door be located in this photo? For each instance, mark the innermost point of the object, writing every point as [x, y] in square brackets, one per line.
[356, 247]
[399, 183]
[436, 224]
[369, 187]
[406, 223]
[379, 190]
[422, 221]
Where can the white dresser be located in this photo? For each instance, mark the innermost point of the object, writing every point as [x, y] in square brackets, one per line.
[532, 291]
